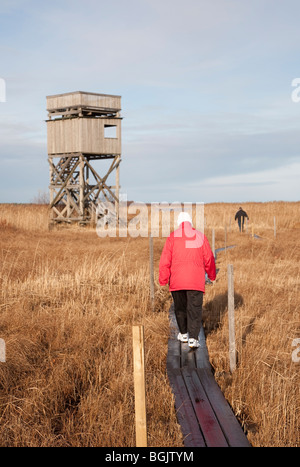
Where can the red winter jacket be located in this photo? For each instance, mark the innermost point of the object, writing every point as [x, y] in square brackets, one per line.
[185, 258]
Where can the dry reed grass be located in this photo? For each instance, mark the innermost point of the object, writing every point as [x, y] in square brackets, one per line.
[69, 299]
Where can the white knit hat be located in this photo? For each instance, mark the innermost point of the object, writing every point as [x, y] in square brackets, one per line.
[184, 217]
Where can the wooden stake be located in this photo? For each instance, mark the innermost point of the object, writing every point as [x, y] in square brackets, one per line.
[2, 351]
[50, 159]
[81, 187]
[139, 386]
[118, 188]
[232, 350]
[151, 272]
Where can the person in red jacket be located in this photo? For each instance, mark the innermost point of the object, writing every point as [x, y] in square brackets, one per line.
[185, 259]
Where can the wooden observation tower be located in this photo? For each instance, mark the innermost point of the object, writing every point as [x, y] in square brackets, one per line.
[82, 128]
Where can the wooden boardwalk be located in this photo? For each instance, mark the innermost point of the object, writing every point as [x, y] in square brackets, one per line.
[205, 416]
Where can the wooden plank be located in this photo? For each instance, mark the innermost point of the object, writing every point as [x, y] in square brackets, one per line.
[174, 354]
[185, 413]
[173, 323]
[226, 418]
[201, 354]
[187, 356]
[203, 412]
[207, 419]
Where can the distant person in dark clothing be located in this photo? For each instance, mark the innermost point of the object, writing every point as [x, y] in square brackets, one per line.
[240, 217]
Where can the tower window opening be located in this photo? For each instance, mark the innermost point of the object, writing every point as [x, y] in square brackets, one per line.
[110, 131]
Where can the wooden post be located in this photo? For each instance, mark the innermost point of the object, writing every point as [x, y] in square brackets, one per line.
[118, 189]
[50, 160]
[213, 243]
[225, 237]
[139, 386]
[81, 186]
[2, 351]
[274, 227]
[151, 272]
[232, 350]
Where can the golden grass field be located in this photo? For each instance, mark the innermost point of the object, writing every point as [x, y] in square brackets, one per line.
[68, 303]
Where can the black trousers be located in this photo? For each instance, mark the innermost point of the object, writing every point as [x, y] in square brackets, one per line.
[241, 223]
[188, 311]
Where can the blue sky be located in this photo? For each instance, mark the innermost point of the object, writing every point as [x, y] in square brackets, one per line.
[206, 90]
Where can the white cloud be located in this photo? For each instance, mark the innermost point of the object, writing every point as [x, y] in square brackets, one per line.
[281, 183]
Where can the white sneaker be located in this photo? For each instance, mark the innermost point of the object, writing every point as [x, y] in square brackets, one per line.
[193, 343]
[183, 337]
